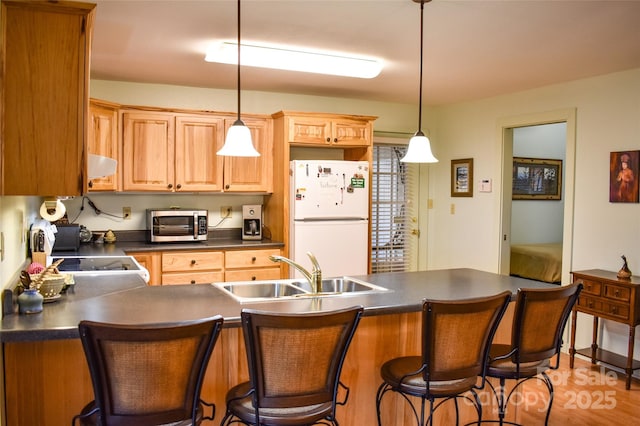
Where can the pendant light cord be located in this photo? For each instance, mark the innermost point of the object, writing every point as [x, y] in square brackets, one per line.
[421, 48]
[239, 60]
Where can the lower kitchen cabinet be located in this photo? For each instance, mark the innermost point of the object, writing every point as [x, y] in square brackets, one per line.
[251, 265]
[151, 261]
[194, 267]
[208, 266]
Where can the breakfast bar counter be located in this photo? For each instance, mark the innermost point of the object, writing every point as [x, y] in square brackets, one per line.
[43, 355]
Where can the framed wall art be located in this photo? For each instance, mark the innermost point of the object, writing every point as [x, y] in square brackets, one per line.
[623, 176]
[462, 178]
[537, 179]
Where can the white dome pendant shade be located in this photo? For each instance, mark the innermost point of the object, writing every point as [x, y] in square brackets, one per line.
[238, 142]
[419, 150]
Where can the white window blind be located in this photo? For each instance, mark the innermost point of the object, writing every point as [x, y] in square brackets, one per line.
[391, 246]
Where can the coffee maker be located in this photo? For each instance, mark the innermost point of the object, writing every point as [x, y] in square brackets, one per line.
[252, 222]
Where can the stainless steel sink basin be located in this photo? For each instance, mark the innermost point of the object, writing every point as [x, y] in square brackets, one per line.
[340, 285]
[257, 291]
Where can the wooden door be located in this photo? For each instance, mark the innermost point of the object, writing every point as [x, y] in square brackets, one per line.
[197, 166]
[349, 132]
[44, 80]
[103, 140]
[252, 174]
[148, 151]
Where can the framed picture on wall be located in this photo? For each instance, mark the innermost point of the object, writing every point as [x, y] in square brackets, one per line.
[462, 178]
[623, 176]
[537, 179]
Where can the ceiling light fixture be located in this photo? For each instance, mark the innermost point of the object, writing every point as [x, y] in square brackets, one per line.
[419, 150]
[238, 141]
[284, 58]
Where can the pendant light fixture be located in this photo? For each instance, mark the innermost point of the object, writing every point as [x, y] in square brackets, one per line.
[419, 150]
[238, 141]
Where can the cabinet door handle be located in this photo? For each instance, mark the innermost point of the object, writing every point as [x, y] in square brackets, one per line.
[253, 259]
[178, 186]
[170, 186]
[328, 140]
[335, 140]
[193, 261]
[614, 309]
[226, 187]
[590, 304]
[616, 293]
[90, 184]
[253, 278]
[193, 281]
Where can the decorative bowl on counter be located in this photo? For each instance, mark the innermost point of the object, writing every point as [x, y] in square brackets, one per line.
[52, 285]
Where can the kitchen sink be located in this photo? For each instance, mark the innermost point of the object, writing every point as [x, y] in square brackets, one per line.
[270, 290]
[340, 285]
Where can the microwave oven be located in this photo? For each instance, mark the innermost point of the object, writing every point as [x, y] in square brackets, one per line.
[177, 225]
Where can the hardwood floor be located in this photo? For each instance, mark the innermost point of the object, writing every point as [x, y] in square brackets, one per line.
[587, 395]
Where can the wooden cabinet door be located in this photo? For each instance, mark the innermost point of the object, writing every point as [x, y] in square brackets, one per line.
[309, 130]
[252, 174]
[44, 81]
[103, 140]
[148, 150]
[152, 262]
[197, 167]
[349, 132]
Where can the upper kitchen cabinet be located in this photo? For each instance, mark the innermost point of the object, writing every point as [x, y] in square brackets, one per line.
[327, 129]
[103, 140]
[169, 152]
[176, 152]
[148, 151]
[45, 53]
[251, 174]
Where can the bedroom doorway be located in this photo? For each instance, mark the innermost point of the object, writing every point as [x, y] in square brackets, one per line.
[521, 221]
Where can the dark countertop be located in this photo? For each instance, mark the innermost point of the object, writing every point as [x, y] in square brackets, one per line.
[126, 299]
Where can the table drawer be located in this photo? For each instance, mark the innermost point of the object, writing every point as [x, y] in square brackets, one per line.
[616, 310]
[192, 278]
[590, 286]
[192, 261]
[250, 258]
[591, 303]
[252, 274]
[618, 293]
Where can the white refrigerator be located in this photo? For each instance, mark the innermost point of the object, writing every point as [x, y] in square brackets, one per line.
[330, 216]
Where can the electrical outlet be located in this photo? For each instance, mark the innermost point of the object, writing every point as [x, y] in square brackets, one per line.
[126, 213]
[225, 212]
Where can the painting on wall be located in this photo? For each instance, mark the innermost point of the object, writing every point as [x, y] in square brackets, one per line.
[462, 178]
[537, 179]
[623, 176]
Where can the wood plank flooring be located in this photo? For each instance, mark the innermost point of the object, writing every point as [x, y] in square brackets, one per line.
[590, 395]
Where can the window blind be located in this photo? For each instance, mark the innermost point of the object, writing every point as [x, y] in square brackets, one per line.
[391, 245]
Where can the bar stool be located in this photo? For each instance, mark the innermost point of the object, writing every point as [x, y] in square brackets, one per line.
[147, 374]
[294, 362]
[539, 320]
[456, 336]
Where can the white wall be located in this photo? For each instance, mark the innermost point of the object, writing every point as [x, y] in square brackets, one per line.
[539, 221]
[16, 214]
[608, 119]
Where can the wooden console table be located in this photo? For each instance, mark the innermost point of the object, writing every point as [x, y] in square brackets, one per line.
[606, 296]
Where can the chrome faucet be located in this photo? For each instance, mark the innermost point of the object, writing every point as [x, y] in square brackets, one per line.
[314, 277]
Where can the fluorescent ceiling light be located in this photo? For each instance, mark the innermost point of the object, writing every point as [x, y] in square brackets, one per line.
[294, 60]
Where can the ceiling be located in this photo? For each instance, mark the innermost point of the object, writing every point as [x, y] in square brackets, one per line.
[472, 48]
